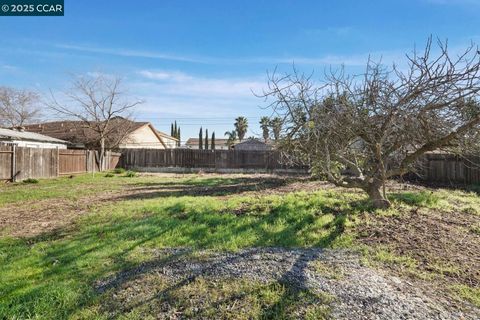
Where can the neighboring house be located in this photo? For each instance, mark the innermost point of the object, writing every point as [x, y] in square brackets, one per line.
[252, 145]
[130, 134]
[220, 144]
[170, 141]
[21, 138]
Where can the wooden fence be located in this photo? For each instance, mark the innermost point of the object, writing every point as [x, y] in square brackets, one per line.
[214, 160]
[18, 163]
[441, 168]
[450, 169]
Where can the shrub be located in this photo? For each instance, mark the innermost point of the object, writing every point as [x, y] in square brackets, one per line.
[109, 175]
[119, 170]
[30, 180]
[130, 174]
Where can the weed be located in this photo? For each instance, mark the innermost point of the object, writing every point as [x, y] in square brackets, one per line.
[130, 174]
[119, 170]
[31, 180]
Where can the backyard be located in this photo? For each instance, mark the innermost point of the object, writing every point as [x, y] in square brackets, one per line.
[140, 246]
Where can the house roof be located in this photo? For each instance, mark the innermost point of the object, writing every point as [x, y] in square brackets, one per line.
[164, 135]
[251, 141]
[78, 132]
[194, 141]
[29, 136]
[253, 144]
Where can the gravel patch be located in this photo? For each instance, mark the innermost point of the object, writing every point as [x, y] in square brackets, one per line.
[359, 292]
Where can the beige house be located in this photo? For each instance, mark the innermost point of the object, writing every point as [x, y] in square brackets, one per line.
[130, 135]
[145, 136]
[170, 141]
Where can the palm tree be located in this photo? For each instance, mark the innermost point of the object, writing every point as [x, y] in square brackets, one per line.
[232, 137]
[265, 125]
[241, 126]
[276, 125]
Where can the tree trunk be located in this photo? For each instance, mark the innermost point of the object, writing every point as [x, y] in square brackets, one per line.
[375, 195]
[102, 155]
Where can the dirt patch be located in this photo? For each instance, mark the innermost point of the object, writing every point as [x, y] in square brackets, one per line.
[442, 242]
[34, 218]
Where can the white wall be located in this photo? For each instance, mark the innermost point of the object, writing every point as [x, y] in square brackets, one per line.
[36, 144]
[143, 138]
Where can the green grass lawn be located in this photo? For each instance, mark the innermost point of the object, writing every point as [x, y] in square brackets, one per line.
[52, 275]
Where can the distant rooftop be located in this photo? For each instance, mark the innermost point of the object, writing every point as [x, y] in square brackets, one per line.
[194, 141]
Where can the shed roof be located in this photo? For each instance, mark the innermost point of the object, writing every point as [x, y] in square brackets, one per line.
[30, 136]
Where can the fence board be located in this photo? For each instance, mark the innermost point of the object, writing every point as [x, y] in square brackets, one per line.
[204, 159]
[47, 163]
[5, 162]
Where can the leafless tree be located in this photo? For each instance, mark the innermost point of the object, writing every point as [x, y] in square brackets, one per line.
[101, 107]
[18, 107]
[359, 131]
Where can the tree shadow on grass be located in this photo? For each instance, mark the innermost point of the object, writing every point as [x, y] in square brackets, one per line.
[294, 281]
[203, 187]
[76, 261]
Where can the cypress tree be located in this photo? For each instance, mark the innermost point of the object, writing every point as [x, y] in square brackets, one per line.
[171, 131]
[200, 139]
[175, 130]
[178, 137]
[213, 141]
[206, 139]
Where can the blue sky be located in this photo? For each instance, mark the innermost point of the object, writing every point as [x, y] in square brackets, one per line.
[197, 62]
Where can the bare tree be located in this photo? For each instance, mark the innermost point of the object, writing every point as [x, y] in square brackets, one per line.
[359, 131]
[101, 107]
[18, 107]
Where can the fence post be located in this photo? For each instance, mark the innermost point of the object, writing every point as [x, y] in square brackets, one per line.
[14, 163]
[58, 161]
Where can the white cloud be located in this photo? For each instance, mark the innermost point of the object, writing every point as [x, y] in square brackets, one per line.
[324, 60]
[178, 83]
[9, 67]
[130, 53]
[164, 75]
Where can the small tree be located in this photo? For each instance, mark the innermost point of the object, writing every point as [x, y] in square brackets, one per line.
[232, 137]
[359, 131]
[241, 126]
[18, 107]
[265, 126]
[200, 139]
[213, 141]
[206, 139]
[101, 107]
